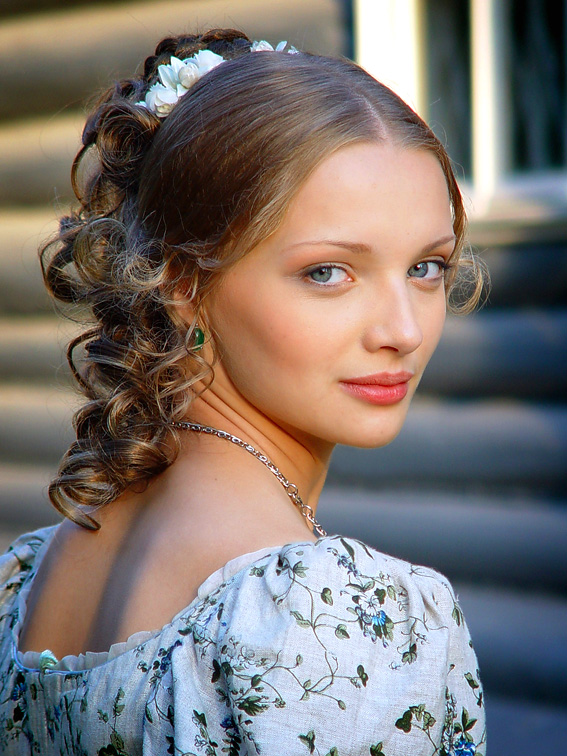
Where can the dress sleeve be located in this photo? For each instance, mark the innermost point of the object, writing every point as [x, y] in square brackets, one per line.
[335, 649]
[464, 731]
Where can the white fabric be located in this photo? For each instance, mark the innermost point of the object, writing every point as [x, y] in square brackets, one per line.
[325, 648]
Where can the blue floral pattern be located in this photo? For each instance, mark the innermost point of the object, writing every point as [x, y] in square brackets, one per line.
[329, 648]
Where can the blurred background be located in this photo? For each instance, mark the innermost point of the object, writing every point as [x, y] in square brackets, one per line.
[476, 484]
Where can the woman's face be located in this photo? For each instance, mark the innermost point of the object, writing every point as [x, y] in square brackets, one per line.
[327, 325]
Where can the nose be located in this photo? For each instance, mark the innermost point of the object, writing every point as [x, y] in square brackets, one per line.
[394, 323]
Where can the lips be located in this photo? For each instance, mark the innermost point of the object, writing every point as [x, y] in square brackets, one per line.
[380, 388]
[381, 379]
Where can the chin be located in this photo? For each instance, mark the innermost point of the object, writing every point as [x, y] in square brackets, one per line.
[369, 438]
[373, 443]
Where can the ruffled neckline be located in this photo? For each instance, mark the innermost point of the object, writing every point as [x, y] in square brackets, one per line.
[35, 660]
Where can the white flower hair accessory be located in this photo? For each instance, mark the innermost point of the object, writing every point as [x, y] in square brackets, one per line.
[264, 46]
[178, 76]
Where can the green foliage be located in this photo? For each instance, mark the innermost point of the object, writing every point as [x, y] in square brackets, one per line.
[327, 596]
[117, 707]
[200, 719]
[409, 656]
[103, 716]
[376, 750]
[360, 671]
[471, 681]
[457, 615]
[404, 722]
[380, 594]
[117, 741]
[216, 671]
[308, 740]
[300, 619]
[348, 548]
[299, 570]
[252, 705]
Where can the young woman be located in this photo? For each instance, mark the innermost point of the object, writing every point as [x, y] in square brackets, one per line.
[266, 242]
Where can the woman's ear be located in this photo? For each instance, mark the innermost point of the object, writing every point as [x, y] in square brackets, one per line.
[182, 313]
[183, 306]
[186, 308]
[189, 315]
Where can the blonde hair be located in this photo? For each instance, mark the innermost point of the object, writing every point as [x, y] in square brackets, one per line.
[171, 204]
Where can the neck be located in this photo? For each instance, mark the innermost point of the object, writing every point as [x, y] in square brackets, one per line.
[303, 460]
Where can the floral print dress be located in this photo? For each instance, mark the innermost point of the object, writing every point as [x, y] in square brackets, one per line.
[328, 648]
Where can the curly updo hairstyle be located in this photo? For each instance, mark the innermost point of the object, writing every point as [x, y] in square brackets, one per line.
[166, 205]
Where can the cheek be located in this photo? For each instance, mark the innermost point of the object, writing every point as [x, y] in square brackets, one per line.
[432, 319]
[262, 343]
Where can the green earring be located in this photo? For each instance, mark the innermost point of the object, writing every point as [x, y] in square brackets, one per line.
[199, 338]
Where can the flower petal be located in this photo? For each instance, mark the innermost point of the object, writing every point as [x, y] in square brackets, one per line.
[160, 99]
[163, 94]
[206, 60]
[176, 64]
[163, 109]
[281, 46]
[168, 76]
[261, 46]
[188, 74]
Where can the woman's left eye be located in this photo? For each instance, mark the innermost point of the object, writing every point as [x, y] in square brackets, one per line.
[327, 274]
[430, 270]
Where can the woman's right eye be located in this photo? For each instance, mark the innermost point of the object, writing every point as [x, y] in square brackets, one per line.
[327, 274]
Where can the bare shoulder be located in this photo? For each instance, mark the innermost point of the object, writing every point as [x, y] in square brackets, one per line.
[94, 589]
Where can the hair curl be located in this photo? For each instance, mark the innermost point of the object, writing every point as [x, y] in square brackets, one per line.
[167, 206]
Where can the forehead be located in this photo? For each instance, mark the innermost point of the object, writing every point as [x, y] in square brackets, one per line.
[372, 188]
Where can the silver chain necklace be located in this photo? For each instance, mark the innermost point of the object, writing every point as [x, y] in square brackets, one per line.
[290, 488]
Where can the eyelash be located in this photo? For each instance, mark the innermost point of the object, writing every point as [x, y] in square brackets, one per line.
[443, 265]
[324, 266]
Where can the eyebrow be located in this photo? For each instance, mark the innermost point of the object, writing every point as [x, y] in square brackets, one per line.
[361, 248]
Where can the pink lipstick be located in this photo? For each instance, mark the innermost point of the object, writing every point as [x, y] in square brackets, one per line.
[380, 388]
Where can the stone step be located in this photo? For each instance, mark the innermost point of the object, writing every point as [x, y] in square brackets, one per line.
[515, 539]
[535, 216]
[32, 349]
[24, 503]
[465, 444]
[35, 425]
[92, 46]
[495, 353]
[13, 8]
[513, 722]
[502, 352]
[35, 160]
[21, 286]
[519, 638]
[468, 445]
[528, 275]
